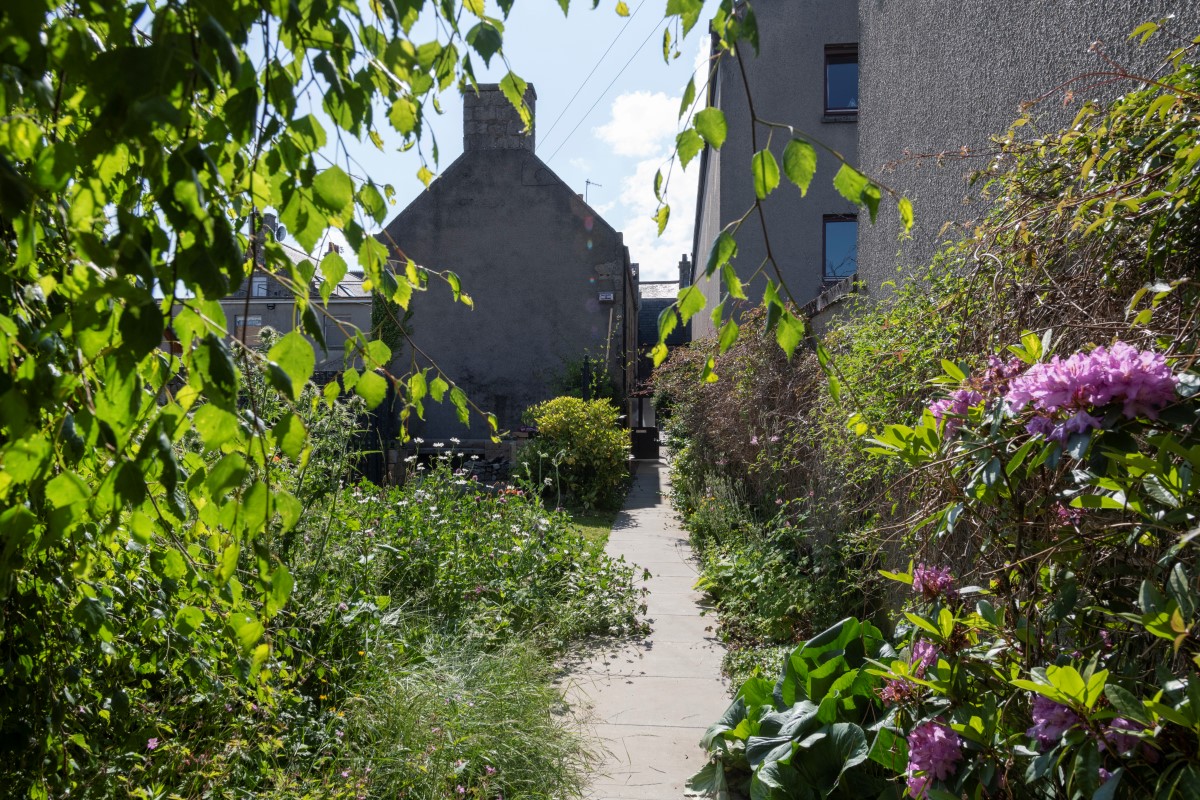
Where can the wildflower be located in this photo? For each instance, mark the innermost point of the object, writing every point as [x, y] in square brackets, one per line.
[343, 607]
[1070, 516]
[460, 789]
[346, 773]
[490, 770]
[455, 440]
[339, 734]
[1050, 721]
[548, 481]
[151, 743]
[418, 440]
[774, 439]
[933, 751]
[932, 581]
[754, 440]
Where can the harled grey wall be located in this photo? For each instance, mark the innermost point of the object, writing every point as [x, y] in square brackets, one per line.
[787, 83]
[937, 76]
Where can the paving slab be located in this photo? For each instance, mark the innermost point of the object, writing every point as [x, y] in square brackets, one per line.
[647, 702]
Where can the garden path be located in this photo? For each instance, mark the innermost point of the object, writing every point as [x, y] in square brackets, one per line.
[649, 701]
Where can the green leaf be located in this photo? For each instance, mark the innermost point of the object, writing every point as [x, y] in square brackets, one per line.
[188, 619]
[688, 144]
[689, 96]
[800, 164]
[66, 488]
[857, 188]
[789, 332]
[248, 631]
[334, 268]
[514, 89]
[334, 191]
[723, 250]
[728, 335]
[661, 217]
[904, 206]
[291, 435]
[459, 400]
[691, 301]
[766, 173]
[294, 355]
[710, 124]
[485, 38]
[371, 387]
[281, 589]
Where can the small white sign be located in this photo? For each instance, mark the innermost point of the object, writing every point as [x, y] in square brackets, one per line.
[606, 297]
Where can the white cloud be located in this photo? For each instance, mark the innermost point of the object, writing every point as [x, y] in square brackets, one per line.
[581, 164]
[658, 256]
[642, 123]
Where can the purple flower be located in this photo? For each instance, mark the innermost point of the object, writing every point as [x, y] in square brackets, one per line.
[953, 409]
[754, 440]
[924, 656]
[933, 751]
[895, 691]
[489, 769]
[1050, 721]
[932, 581]
[151, 743]
[1117, 738]
[1141, 381]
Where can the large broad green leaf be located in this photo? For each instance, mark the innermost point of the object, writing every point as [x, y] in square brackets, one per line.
[821, 764]
[709, 782]
[295, 357]
[333, 190]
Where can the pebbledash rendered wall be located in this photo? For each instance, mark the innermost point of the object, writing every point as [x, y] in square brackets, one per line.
[787, 84]
[937, 76]
[535, 259]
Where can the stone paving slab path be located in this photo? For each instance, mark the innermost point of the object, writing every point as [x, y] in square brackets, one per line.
[648, 701]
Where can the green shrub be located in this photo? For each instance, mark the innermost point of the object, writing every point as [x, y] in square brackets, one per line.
[581, 452]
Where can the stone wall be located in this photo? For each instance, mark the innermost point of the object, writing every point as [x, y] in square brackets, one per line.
[491, 123]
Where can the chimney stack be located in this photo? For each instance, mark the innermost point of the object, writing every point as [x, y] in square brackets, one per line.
[491, 123]
[685, 271]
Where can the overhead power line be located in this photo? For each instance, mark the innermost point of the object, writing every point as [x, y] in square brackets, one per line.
[595, 67]
[592, 108]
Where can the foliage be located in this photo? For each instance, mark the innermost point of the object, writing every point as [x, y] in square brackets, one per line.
[587, 378]
[819, 731]
[581, 452]
[1052, 470]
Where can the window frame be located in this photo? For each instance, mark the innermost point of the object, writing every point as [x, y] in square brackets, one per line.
[839, 51]
[825, 220]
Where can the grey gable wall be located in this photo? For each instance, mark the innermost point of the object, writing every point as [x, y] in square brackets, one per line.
[533, 257]
[939, 75]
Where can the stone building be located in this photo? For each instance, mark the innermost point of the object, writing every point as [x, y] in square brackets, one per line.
[936, 77]
[551, 281]
[262, 301]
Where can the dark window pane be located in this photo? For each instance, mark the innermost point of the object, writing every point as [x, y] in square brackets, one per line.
[841, 248]
[841, 82]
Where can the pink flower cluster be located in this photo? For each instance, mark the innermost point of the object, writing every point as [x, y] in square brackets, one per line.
[1050, 721]
[932, 582]
[924, 656]
[933, 751]
[1141, 381]
[953, 409]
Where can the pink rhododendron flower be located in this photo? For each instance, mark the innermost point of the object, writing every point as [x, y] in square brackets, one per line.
[932, 581]
[933, 751]
[1141, 381]
[1050, 721]
[1117, 737]
[953, 409]
[894, 691]
[924, 656]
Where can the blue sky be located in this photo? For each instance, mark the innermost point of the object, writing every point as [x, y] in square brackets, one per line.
[619, 143]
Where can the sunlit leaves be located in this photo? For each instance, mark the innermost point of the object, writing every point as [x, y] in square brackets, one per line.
[766, 173]
[513, 87]
[334, 191]
[858, 189]
[688, 143]
[687, 10]
[661, 216]
[691, 301]
[800, 164]
[295, 358]
[710, 124]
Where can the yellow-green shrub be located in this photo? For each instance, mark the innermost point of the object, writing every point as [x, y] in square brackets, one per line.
[581, 452]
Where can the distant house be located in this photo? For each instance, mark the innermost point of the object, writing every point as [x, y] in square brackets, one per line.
[262, 301]
[551, 281]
